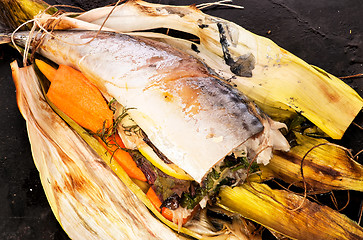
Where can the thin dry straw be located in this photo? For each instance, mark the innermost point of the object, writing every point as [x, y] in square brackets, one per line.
[352, 76]
[27, 43]
[55, 17]
[31, 33]
[219, 3]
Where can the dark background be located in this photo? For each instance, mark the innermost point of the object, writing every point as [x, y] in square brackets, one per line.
[325, 33]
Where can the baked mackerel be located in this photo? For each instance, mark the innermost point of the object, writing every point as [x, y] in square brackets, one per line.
[189, 114]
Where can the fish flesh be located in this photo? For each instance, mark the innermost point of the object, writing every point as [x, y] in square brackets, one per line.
[190, 115]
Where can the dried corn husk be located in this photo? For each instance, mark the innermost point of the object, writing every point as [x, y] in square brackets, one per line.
[326, 167]
[288, 213]
[22, 11]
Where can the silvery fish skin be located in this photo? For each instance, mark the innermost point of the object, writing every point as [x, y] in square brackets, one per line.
[192, 117]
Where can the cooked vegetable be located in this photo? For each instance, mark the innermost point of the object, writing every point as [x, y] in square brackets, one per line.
[154, 199]
[49, 72]
[71, 92]
[170, 169]
[115, 147]
[169, 214]
[166, 212]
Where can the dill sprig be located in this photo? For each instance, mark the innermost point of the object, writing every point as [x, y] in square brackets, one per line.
[108, 134]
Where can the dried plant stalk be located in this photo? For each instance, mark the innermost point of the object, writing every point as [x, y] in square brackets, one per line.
[287, 213]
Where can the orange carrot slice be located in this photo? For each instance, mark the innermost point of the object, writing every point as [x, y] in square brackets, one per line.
[79, 99]
[114, 143]
[168, 214]
[154, 199]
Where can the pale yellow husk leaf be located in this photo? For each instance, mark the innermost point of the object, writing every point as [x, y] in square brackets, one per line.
[326, 166]
[288, 213]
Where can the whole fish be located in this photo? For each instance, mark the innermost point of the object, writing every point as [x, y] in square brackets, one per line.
[190, 115]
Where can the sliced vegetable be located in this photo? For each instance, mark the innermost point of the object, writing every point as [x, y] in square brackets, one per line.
[114, 146]
[154, 199]
[170, 169]
[48, 71]
[79, 99]
[169, 214]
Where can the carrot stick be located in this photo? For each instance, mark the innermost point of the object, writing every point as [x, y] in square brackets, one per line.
[154, 199]
[167, 213]
[114, 143]
[79, 99]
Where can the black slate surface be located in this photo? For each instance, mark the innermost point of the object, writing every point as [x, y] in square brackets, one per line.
[325, 33]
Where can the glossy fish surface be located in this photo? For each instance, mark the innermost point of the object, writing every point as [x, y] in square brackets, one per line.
[191, 116]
